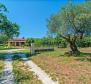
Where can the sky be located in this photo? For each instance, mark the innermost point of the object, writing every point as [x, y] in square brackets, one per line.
[32, 15]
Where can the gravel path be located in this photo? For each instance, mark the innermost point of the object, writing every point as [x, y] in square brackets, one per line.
[45, 79]
[7, 76]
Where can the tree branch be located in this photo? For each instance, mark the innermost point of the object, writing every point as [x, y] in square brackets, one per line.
[68, 39]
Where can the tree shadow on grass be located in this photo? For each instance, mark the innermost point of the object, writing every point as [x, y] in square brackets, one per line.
[84, 57]
[16, 56]
[28, 55]
[82, 54]
[2, 56]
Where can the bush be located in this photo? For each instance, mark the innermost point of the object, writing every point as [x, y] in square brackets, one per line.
[86, 42]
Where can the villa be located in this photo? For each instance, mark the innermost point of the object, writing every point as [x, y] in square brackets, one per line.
[17, 42]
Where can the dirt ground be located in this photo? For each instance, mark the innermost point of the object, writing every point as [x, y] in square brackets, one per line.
[67, 70]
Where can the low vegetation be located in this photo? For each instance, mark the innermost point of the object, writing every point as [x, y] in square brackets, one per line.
[22, 74]
[67, 70]
[2, 56]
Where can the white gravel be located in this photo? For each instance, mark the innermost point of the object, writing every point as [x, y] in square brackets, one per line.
[7, 76]
[44, 77]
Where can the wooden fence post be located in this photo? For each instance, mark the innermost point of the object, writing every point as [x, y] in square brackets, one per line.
[32, 49]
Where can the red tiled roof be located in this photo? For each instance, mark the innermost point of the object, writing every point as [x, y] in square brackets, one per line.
[18, 39]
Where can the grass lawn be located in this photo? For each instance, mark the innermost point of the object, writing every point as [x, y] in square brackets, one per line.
[22, 74]
[6, 48]
[67, 70]
[26, 50]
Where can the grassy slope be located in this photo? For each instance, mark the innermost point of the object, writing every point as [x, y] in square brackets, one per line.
[67, 70]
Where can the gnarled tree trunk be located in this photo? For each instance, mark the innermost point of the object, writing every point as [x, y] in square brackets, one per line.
[74, 49]
[72, 41]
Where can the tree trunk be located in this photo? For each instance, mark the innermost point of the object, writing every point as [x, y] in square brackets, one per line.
[74, 49]
[72, 41]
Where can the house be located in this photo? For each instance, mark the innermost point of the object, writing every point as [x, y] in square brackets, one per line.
[16, 42]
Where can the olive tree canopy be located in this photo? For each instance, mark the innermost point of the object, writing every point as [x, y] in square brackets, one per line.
[72, 22]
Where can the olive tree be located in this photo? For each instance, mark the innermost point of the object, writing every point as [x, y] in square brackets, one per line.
[72, 22]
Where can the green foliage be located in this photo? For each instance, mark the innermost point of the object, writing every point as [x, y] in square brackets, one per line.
[60, 42]
[47, 41]
[3, 39]
[29, 41]
[7, 28]
[86, 42]
[10, 29]
[3, 8]
[71, 21]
